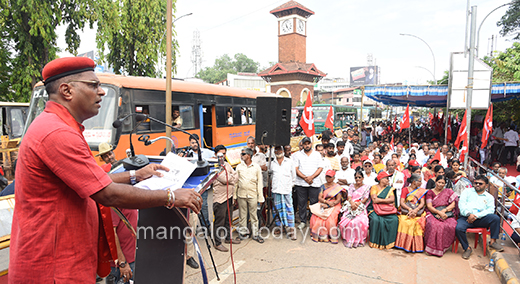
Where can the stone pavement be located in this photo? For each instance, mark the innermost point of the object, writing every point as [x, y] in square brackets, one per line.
[286, 261]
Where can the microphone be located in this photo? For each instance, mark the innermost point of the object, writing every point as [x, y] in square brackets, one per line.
[133, 162]
[119, 122]
[220, 158]
[202, 165]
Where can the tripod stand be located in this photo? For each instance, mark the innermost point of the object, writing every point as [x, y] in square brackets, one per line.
[268, 205]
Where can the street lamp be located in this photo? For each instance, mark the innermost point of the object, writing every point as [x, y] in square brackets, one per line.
[480, 26]
[164, 35]
[430, 51]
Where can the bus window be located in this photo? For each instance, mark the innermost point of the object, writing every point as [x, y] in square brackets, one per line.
[246, 115]
[145, 125]
[17, 123]
[183, 117]
[252, 115]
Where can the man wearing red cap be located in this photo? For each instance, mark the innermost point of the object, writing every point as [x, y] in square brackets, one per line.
[56, 229]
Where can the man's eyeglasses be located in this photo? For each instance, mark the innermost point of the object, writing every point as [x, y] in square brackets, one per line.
[243, 154]
[94, 84]
[367, 166]
[479, 183]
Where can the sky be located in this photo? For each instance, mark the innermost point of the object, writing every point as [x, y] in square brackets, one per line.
[340, 34]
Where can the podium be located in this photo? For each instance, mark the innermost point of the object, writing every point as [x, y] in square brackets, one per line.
[161, 247]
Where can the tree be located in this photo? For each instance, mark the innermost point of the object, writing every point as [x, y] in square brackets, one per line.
[135, 33]
[510, 22]
[225, 64]
[28, 31]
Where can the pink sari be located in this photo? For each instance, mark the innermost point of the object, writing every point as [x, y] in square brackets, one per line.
[327, 230]
[440, 234]
[355, 230]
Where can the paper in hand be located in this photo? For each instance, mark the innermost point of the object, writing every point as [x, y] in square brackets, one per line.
[180, 171]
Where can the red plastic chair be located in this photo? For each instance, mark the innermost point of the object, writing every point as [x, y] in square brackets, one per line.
[482, 231]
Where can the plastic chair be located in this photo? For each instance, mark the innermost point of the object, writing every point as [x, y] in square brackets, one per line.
[482, 231]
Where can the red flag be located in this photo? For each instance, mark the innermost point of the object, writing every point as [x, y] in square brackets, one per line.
[307, 120]
[437, 155]
[395, 120]
[457, 117]
[462, 132]
[430, 115]
[405, 123]
[488, 126]
[392, 147]
[449, 129]
[464, 150]
[329, 123]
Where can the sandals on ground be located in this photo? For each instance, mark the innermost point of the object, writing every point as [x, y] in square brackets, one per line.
[258, 239]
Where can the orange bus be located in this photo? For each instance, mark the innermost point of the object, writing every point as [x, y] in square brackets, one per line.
[218, 114]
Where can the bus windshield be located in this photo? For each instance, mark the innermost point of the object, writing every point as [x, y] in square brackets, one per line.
[98, 129]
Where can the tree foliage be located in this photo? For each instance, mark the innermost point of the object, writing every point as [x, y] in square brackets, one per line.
[134, 31]
[510, 22]
[225, 64]
[29, 34]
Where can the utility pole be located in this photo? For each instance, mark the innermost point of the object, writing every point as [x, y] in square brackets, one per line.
[469, 96]
[168, 73]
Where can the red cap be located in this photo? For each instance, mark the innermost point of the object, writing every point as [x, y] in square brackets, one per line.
[413, 163]
[382, 175]
[65, 66]
[330, 173]
[364, 158]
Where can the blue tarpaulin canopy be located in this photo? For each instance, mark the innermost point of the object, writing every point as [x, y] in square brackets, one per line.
[433, 95]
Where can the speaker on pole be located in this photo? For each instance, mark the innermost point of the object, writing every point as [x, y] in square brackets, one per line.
[273, 120]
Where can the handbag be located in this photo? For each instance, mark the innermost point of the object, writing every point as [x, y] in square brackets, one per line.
[413, 206]
[321, 212]
[449, 214]
[383, 209]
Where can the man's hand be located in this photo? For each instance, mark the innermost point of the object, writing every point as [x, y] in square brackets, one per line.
[471, 218]
[126, 272]
[308, 180]
[188, 198]
[149, 171]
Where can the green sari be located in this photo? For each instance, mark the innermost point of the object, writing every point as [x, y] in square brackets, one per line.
[383, 229]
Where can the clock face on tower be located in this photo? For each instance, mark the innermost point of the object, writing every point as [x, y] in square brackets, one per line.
[300, 26]
[286, 26]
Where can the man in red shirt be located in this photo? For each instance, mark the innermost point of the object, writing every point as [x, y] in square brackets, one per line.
[56, 229]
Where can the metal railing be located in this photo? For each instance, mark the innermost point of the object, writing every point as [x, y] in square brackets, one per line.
[503, 210]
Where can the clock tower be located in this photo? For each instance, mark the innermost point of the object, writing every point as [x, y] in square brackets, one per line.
[292, 76]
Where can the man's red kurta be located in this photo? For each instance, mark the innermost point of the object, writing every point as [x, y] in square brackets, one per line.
[55, 224]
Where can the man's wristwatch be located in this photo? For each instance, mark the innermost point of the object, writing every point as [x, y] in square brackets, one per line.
[122, 264]
[133, 179]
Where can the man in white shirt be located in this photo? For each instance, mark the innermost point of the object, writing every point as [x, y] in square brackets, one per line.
[284, 176]
[368, 173]
[401, 154]
[308, 168]
[511, 137]
[345, 176]
[444, 153]
[396, 179]
[258, 158]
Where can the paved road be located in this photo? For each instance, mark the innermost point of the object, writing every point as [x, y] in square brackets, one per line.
[284, 261]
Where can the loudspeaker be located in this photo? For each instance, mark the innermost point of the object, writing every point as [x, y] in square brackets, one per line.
[273, 121]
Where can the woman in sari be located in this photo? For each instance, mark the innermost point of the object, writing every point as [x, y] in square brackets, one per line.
[383, 228]
[324, 219]
[354, 222]
[441, 218]
[412, 219]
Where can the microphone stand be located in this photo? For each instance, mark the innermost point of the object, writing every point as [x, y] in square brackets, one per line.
[202, 165]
